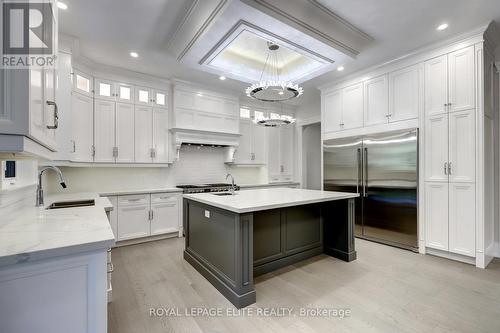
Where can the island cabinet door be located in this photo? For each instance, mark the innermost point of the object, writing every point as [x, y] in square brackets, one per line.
[268, 240]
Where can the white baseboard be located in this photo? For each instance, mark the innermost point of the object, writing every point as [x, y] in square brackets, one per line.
[451, 256]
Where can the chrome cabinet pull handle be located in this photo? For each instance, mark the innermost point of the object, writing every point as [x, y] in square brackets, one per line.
[449, 168]
[445, 168]
[56, 115]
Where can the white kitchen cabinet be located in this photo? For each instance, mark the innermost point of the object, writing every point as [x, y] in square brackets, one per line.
[133, 216]
[376, 101]
[436, 86]
[462, 222]
[165, 213]
[462, 147]
[403, 94]
[352, 106]
[104, 131]
[449, 82]
[436, 148]
[36, 107]
[159, 98]
[287, 144]
[461, 79]
[143, 96]
[252, 144]
[82, 127]
[281, 153]
[244, 151]
[260, 144]
[436, 215]
[124, 139]
[160, 135]
[104, 89]
[332, 111]
[143, 137]
[82, 83]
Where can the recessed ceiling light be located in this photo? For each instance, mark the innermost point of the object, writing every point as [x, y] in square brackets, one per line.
[222, 78]
[62, 5]
[442, 26]
[134, 54]
[199, 94]
[281, 93]
[340, 68]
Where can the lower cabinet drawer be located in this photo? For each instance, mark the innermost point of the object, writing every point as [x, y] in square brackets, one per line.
[137, 199]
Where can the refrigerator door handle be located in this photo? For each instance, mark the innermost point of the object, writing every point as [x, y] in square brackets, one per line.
[360, 168]
[365, 175]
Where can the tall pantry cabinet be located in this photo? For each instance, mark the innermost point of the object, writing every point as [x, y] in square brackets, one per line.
[459, 171]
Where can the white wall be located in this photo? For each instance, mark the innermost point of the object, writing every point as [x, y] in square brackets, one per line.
[196, 165]
[311, 156]
[310, 108]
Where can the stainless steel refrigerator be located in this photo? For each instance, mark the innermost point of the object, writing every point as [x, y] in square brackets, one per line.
[383, 170]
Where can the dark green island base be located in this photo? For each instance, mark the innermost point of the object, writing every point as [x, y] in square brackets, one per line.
[230, 249]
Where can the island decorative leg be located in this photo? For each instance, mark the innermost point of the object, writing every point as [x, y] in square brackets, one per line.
[338, 229]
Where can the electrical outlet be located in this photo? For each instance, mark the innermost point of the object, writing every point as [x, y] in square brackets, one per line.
[207, 214]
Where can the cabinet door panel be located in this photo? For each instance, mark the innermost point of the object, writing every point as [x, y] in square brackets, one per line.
[143, 96]
[133, 222]
[160, 135]
[436, 215]
[462, 145]
[352, 106]
[462, 225]
[287, 144]
[273, 164]
[124, 93]
[436, 86]
[165, 217]
[104, 130]
[49, 97]
[244, 152]
[159, 98]
[332, 112]
[82, 129]
[104, 89]
[376, 107]
[143, 135]
[82, 83]
[403, 94]
[259, 144]
[461, 79]
[37, 110]
[436, 148]
[125, 132]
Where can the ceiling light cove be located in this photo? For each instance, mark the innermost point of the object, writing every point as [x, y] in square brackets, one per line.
[62, 5]
[134, 54]
[442, 27]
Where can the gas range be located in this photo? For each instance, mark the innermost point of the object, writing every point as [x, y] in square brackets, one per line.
[201, 188]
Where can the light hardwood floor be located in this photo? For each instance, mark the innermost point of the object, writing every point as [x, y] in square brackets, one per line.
[386, 289]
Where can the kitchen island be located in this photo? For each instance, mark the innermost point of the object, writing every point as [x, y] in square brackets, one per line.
[230, 239]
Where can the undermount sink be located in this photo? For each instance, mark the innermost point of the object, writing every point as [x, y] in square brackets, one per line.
[223, 193]
[71, 204]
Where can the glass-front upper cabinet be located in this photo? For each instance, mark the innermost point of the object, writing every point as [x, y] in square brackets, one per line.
[159, 98]
[104, 89]
[143, 96]
[124, 93]
[82, 83]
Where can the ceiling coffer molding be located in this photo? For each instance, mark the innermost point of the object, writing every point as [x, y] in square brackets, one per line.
[190, 30]
[328, 27]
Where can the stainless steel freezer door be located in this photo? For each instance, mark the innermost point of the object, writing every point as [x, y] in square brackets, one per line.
[342, 171]
[390, 188]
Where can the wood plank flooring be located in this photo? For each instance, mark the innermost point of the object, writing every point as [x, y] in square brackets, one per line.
[386, 290]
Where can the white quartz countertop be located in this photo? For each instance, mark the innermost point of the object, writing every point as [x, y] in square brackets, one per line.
[36, 233]
[269, 198]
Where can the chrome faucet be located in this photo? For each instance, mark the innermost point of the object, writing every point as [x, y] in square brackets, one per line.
[233, 188]
[39, 189]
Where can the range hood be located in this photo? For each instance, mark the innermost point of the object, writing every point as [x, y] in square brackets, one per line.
[183, 136]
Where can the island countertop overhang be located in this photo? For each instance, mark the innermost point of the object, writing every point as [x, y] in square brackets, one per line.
[264, 199]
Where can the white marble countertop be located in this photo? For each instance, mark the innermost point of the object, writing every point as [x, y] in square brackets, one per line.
[269, 198]
[36, 233]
